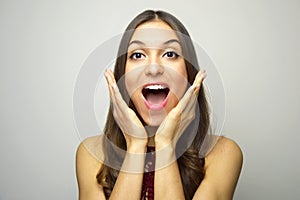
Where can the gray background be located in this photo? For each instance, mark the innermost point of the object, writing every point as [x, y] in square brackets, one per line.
[254, 44]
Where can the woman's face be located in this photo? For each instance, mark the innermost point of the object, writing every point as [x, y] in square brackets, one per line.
[155, 72]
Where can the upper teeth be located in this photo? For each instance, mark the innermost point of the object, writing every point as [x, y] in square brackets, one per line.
[155, 87]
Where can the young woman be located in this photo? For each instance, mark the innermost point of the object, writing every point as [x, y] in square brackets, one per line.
[159, 117]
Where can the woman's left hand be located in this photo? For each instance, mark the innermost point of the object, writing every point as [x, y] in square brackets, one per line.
[180, 116]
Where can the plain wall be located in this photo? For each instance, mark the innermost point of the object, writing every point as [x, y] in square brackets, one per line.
[254, 44]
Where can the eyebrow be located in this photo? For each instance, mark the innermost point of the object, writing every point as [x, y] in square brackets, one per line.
[143, 44]
[172, 41]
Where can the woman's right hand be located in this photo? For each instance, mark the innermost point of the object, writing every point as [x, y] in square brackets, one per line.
[132, 128]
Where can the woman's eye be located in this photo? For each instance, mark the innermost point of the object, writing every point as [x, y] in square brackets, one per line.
[136, 56]
[171, 54]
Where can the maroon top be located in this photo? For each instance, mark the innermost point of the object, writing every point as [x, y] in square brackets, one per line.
[148, 179]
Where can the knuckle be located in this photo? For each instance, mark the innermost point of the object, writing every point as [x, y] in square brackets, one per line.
[191, 116]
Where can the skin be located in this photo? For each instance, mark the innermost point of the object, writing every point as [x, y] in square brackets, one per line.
[222, 164]
[155, 61]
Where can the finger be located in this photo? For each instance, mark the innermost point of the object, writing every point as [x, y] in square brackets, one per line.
[186, 99]
[119, 99]
[191, 100]
[108, 80]
[198, 81]
[111, 76]
[117, 112]
[197, 75]
[119, 103]
[201, 75]
[192, 93]
[115, 95]
[110, 87]
[190, 97]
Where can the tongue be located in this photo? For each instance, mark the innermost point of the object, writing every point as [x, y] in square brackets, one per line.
[156, 99]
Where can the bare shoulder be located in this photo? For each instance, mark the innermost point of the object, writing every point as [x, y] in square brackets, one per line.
[222, 170]
[90, 150]
[87, 168]
[225, 148]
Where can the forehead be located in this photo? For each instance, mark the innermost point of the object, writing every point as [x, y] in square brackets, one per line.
[154, 33]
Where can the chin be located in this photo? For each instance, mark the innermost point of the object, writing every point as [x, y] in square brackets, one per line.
[152, 118]
[154, 121]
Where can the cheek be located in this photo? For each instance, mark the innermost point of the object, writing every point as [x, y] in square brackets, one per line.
[182, 70]
[182, 81]
[130, 86]
[132, 81]
[179, 82]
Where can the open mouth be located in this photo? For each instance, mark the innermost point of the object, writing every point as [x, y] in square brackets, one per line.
[155, 96]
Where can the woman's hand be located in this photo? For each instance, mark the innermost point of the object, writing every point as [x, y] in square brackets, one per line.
[179, 117]
[132, 128]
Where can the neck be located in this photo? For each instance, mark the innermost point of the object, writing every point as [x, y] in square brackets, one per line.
[151, 142]
[151, 130]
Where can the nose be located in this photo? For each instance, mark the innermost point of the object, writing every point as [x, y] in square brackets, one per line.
[154, 66]
[154, 69]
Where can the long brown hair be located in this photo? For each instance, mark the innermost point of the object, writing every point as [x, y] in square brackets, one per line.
[191, 165]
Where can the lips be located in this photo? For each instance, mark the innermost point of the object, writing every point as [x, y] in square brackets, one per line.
[155, 95]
